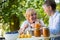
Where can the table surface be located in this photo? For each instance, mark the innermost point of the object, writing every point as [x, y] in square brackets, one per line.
[35, 38]
[38, 38]
[2, 37]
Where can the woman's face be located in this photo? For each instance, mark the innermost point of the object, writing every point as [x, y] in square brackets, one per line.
[33, 17]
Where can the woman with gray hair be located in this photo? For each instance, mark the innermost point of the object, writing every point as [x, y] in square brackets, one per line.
[31, 18]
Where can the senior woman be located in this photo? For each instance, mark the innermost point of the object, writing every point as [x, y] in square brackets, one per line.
[31, 18]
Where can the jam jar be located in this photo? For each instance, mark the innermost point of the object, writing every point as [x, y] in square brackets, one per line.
[46, 32]
[37, 33]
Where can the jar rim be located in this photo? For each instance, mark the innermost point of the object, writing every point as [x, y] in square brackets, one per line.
[45, 27]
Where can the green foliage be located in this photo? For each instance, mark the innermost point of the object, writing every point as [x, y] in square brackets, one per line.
[19, 7]
[58, 7]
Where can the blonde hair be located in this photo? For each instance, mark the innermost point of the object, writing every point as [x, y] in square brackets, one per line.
[29, 11]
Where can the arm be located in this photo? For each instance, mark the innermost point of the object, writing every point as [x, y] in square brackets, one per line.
[23, 27]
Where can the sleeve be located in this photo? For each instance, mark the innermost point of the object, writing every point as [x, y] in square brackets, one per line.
[24, 23]
[42, 23]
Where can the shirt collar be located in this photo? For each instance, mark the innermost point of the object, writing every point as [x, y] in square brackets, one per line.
[55, 14]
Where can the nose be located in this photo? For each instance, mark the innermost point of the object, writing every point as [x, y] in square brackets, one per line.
[34, 16]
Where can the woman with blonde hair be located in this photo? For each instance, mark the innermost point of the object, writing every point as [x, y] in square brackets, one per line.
[31, 18]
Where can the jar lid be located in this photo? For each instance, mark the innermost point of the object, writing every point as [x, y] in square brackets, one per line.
[36, 28]
[45, 27]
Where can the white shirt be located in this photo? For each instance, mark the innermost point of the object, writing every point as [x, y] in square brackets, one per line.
[54, 23]
[29, 25]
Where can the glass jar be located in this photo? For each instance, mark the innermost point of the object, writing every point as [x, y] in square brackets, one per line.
[37, 25]
[46, 32]
[37, 33]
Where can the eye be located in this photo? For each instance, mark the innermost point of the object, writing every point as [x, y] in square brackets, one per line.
[33, 14]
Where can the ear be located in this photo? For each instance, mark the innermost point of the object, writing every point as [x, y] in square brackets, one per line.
[50, 8]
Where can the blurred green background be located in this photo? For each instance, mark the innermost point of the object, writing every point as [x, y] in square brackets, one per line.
[18, 8]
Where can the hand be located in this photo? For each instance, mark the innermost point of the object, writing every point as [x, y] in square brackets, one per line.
[20, 31]
[33, 25]
[41, 29]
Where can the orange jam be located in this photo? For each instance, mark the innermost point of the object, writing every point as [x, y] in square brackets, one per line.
[46, 32]
[37, 33]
